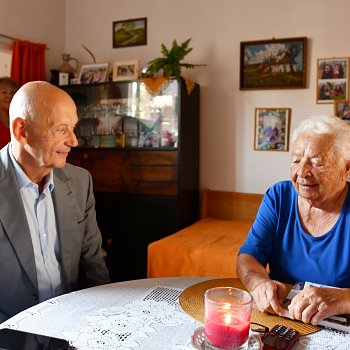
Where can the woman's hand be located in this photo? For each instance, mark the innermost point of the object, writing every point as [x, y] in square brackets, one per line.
[269, 295]
[314, 304]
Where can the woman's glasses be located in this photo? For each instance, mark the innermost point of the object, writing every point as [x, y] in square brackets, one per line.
[259, 328]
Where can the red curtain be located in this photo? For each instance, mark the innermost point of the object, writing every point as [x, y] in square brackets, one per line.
[28, 61]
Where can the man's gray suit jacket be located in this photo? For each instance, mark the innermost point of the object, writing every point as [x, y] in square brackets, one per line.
[82, 259]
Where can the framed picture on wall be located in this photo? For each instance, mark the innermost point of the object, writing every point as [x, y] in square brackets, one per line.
[272, 129]
[93, 73]
[126, 70]
[130, 32]
[342, 110]
[273, 64]
[332, 79]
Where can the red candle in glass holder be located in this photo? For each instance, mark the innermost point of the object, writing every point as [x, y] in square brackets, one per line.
[225, 331]
[227, 324]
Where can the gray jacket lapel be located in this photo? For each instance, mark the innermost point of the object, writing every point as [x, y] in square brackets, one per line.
[13, 218]
[64, 199]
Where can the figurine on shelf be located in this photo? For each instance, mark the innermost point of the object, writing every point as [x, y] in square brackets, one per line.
[66, 67]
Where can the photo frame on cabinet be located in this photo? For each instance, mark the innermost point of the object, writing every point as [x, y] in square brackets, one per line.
[130, 32]
[273, 64]
[332, 79]
[93, 73]
[126, 70]
[272, 129]
[342, 110]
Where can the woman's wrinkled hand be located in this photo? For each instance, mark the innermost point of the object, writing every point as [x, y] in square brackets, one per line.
[313, 304]
[269, 296]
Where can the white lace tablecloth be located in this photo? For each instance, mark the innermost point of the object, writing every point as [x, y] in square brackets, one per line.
[140, 314]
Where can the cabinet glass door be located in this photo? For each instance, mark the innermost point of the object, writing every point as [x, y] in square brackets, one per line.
[126, 114]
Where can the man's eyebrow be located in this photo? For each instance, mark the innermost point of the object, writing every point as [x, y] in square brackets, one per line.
[58, 125]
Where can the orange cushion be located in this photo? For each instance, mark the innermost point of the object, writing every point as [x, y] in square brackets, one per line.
[209, 248]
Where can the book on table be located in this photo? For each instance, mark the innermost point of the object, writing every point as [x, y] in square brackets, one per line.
[338, 322]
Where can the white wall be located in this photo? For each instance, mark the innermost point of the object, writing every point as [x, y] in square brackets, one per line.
[39, 21]
[228, 161]
[5, 61]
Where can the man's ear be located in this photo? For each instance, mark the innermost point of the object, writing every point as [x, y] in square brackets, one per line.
[19, 130]
[347, 170]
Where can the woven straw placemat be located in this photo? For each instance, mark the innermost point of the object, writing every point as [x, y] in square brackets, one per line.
[192, 302]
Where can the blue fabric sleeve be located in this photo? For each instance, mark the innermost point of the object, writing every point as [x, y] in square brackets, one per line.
[261, 237]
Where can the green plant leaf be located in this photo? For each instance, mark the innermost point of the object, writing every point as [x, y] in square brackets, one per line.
[170, 63]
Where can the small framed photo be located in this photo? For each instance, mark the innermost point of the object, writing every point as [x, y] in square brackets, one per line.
[63, 78]
[273, 64]
[130, 32]
[93, 73]
[272, 129]
[342, 110]
[332, 79]
[126, 70]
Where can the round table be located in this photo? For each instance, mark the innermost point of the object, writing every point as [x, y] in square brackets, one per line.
[132, 315]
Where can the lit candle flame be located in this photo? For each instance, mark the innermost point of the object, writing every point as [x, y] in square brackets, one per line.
[228, 316]
[226, 306]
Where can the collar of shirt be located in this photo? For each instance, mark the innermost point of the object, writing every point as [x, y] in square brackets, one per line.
[24, 181]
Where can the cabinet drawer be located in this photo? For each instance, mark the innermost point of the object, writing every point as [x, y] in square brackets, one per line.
[104, 166]
[151, 172]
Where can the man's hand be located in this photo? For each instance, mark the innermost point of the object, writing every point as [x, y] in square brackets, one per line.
[314, 304]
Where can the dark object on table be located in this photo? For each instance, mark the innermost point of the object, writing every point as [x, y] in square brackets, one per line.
[280, 337]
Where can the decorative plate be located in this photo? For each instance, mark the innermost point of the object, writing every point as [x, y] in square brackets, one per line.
[198, 341]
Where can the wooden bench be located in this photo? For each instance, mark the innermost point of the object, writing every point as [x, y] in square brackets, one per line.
[210, 246]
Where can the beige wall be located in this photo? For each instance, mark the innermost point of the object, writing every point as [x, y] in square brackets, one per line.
[228, 161]
[41, 21]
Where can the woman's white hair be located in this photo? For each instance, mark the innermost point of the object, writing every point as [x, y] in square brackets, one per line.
[337, 128]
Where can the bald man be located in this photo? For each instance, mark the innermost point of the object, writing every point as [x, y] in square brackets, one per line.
[50, 243]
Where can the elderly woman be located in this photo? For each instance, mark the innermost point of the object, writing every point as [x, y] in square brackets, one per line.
[8, 87]
[302, 229]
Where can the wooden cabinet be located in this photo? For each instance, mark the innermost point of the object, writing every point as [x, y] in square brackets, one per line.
[144, 191]
[148, 172]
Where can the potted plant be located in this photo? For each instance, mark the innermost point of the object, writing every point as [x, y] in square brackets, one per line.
[171, 62]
